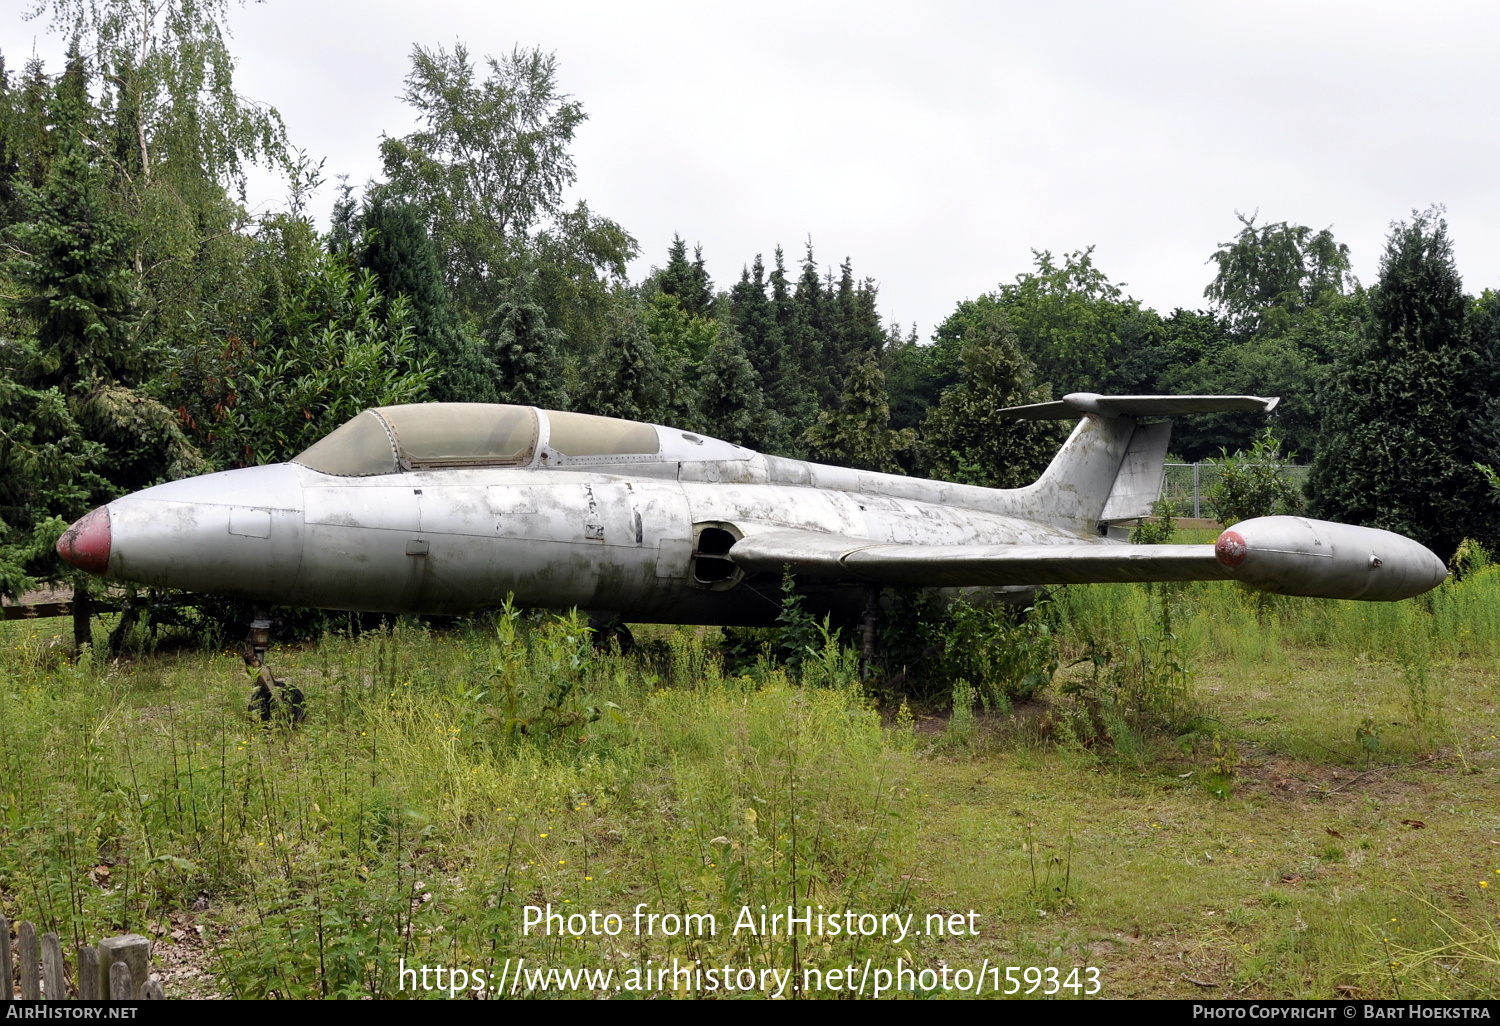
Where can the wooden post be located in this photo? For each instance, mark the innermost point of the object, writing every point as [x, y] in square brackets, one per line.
[135, 952]
[7, 976]
[54, 982]
[83, 609]
[88, 974]
[121, 986]
[28, 956]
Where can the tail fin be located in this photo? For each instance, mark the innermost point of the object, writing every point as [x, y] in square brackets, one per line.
[1111, 467]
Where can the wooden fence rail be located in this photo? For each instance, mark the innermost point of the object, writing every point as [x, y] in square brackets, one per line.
[117, 970]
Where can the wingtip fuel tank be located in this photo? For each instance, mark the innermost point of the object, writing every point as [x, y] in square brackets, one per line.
[1318, 559]
[86, 544]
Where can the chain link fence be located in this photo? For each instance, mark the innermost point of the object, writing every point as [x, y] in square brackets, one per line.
[1187, 486]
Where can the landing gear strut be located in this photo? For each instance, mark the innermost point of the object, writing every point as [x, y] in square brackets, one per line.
[867, 625]
[269, 696]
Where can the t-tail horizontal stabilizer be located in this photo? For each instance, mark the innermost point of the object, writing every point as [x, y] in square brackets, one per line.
[1111, 468]
[1071, 405]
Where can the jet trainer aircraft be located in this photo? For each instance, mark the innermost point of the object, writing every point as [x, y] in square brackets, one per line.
[448, 507]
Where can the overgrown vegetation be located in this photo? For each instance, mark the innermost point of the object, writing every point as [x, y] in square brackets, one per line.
[1254, 483]
[1211, 771]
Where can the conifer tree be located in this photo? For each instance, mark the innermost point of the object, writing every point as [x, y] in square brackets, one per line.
[795, 394]
[1401, 447]
[526, 350]
[731, 404]
[688, 282]
[811, 337]
[856, 324]
[628, 380]
[71, 259]
[755, 320]
[965, 439]
[859, 434]
[402, 257]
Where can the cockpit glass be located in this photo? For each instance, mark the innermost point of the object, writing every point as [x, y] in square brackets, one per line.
[581, 434]
[432, 435]
[360, 448]
[423, 436]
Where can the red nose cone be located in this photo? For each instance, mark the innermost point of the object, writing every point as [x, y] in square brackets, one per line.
[1231, 549]
[86, 544]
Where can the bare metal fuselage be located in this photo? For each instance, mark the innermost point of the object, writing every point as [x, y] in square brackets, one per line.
[451, 541]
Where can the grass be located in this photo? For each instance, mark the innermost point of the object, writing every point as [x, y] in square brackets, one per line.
[1222, 794]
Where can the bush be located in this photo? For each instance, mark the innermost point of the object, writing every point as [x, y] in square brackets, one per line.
[1254, 483]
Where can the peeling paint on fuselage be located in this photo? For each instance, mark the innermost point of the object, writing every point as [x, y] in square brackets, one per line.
[607, 538]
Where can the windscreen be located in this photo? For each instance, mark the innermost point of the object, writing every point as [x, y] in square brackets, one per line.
[360, 448]
[426, 435]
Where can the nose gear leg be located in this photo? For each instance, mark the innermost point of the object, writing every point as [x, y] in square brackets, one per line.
[270, 696]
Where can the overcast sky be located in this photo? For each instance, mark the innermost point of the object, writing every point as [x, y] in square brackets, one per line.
[937, 144]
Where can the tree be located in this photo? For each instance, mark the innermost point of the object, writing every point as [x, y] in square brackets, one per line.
[688, 282]
[856, 329]
[488, 170]
[1269, 276]
[70, 262]
[785, 350]
[810, 335]
[580, 262]
[919, 374]
[319, 355]
[730, 402]
[172, 139]
[47, 467]
[1262, 366]
[525, 350]
[683, 341]
[1254, 483]
[396, 248]
[859, 434]
[1401, 451]
[1484, 326]
[171, 81]
[628, 380]
[1074, 324]
[965, 438]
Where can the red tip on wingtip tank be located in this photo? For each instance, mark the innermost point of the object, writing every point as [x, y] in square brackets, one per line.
[1231, 549]
[86, 544]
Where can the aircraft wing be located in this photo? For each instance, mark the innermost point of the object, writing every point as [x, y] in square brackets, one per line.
[961, 566]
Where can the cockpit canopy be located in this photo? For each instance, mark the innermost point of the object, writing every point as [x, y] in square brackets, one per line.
[430, 436]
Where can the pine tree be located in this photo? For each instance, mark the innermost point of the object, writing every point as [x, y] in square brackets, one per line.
[628, 380]
[795, 394]
[965, 439]
[731, 404]
[856, 324]
[404, 261]
[71, 259]
[1401, 451]
[526, 351]
[689, 282]
[755, 320]
[812, 338]
[859, 434]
